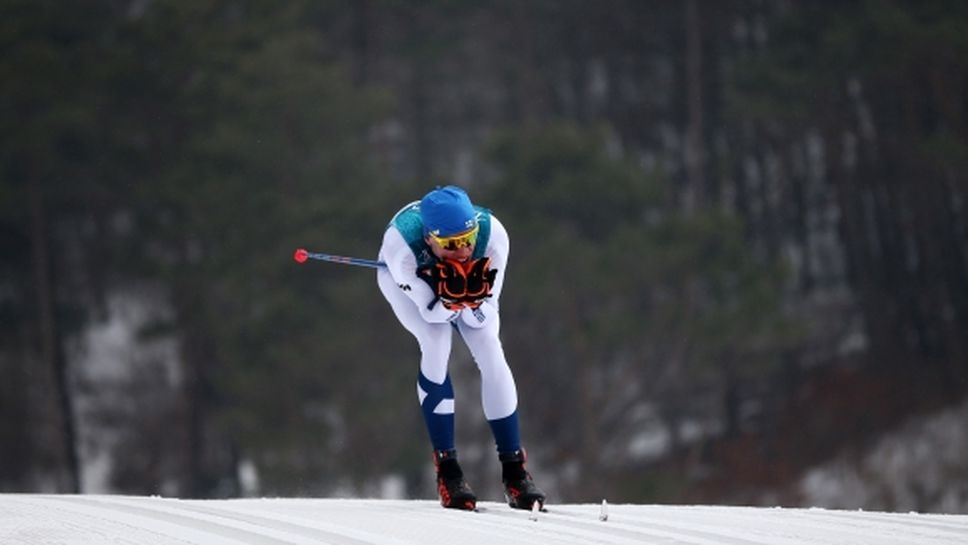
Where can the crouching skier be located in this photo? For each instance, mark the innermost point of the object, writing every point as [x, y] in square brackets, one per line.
[446, 260]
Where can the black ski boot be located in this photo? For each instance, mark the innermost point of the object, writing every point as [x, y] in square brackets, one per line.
[519, 488]
[453, 490]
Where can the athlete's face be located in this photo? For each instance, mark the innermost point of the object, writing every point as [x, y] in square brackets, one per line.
[461, 254]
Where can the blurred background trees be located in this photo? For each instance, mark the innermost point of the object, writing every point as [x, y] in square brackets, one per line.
[739, 240]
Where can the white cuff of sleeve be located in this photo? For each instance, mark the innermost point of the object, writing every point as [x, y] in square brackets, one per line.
[478, 317]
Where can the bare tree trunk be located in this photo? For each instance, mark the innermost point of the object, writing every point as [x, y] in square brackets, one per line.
[590, 438]
[51, 349]
[732, 399]
[196, 481]
[195, 416]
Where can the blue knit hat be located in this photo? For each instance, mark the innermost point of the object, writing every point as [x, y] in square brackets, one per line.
[447, 211]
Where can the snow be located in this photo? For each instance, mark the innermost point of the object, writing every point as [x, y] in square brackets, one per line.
[27, 519]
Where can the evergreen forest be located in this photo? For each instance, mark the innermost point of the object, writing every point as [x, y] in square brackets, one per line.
[739, 240]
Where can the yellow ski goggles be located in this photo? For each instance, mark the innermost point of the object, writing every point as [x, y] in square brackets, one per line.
[460, 240]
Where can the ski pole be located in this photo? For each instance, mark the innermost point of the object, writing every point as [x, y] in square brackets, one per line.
[301, 256]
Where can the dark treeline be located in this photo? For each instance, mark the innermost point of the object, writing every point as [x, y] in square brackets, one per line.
[739, 237]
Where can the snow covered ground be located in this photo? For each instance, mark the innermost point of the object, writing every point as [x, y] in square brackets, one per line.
[114, 520]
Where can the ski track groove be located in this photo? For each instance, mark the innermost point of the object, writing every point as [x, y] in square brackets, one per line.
[126, 520]
[495, 522]
[593, 530]
[227, 534]
[927, 521]
[888, 528]
[31, 528]
[776, 531]
[550, 526]
[662, 531]
[403, 515]
[97, 523]
[251, 528]
[333, 534]
[860, 524]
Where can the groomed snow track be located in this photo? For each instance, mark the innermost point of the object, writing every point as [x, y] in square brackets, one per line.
[114, 520]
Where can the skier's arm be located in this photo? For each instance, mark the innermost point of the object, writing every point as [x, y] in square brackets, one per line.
[498, 247]
[402, 266]
[497, 250]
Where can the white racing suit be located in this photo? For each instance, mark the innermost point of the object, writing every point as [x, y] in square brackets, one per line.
[416, 307]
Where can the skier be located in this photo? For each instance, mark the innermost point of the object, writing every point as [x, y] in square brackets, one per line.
[446, 260]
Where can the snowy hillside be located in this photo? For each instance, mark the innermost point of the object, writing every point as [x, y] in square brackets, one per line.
[920, 466]
[99, 520]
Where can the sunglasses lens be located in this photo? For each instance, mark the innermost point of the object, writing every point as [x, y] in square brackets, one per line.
[459, 241]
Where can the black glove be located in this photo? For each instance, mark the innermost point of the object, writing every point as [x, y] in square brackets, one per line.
[448, 281]
[480, 279]
[460, 285]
